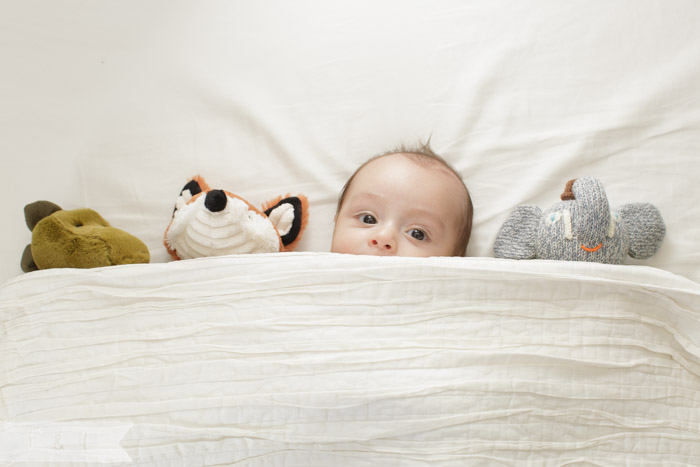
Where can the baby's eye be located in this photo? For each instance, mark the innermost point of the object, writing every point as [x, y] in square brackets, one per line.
[367, 219]
[417, 234]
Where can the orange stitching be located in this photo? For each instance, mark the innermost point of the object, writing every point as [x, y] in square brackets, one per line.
[591, 250]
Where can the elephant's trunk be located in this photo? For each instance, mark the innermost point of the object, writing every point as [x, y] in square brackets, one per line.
[591, 220]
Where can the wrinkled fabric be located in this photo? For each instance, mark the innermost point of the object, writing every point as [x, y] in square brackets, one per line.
[325, 359]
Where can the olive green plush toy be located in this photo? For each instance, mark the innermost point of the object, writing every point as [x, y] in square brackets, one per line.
[78, 238]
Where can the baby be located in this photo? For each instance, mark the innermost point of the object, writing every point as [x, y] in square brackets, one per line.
[408, 202]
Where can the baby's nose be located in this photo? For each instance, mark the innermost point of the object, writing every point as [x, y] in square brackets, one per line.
[383, 243]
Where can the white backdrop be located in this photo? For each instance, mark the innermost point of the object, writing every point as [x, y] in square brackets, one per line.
[113, 105]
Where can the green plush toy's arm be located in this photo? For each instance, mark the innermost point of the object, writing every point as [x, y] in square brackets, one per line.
[27, 264]
[517, 238]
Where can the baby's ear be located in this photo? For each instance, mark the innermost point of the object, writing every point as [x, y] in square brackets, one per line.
[289, 216]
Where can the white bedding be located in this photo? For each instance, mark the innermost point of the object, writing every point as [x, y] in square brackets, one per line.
[324, 359]
[319, 359]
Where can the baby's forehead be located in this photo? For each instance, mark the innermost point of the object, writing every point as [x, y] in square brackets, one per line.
[434, 168]
[396, 158]
[425, 175]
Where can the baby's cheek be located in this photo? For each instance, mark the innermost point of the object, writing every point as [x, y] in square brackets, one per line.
[416, 252]
[339, 242]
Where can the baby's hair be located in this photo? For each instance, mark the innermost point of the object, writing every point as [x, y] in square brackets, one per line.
[423, 154]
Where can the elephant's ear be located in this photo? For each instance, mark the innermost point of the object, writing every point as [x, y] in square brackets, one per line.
[517, 238]
[645, 226]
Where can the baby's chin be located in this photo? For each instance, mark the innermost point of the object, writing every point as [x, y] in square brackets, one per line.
[412, 254]
[359, 252]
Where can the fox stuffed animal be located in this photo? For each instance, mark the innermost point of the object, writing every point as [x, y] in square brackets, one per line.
[212, 222]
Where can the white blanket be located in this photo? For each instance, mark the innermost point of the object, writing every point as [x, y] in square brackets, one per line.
[322, 359]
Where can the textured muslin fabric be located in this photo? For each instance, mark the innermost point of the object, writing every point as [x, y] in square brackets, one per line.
[324, 359]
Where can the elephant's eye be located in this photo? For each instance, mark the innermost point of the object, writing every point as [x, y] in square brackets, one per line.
[614, 219]
[552, 217]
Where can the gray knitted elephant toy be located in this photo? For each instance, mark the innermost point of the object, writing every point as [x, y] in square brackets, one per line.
[582, 228]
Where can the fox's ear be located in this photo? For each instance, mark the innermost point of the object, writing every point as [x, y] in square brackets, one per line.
[191, 188]
[289, 215]
[195, 186]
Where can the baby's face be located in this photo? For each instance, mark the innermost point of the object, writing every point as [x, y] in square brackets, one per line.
[398, 207]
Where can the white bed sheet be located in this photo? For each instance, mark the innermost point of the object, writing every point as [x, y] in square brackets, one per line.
[113, 105]
[324, 359]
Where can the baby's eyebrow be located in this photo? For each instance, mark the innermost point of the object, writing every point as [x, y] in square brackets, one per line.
[433, 218]
[369, 195]
[365, 197]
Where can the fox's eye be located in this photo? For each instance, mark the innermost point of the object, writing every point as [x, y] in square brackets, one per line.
[418, 234]
[367, 219]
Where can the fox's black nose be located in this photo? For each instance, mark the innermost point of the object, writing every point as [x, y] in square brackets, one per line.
[215, 200]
